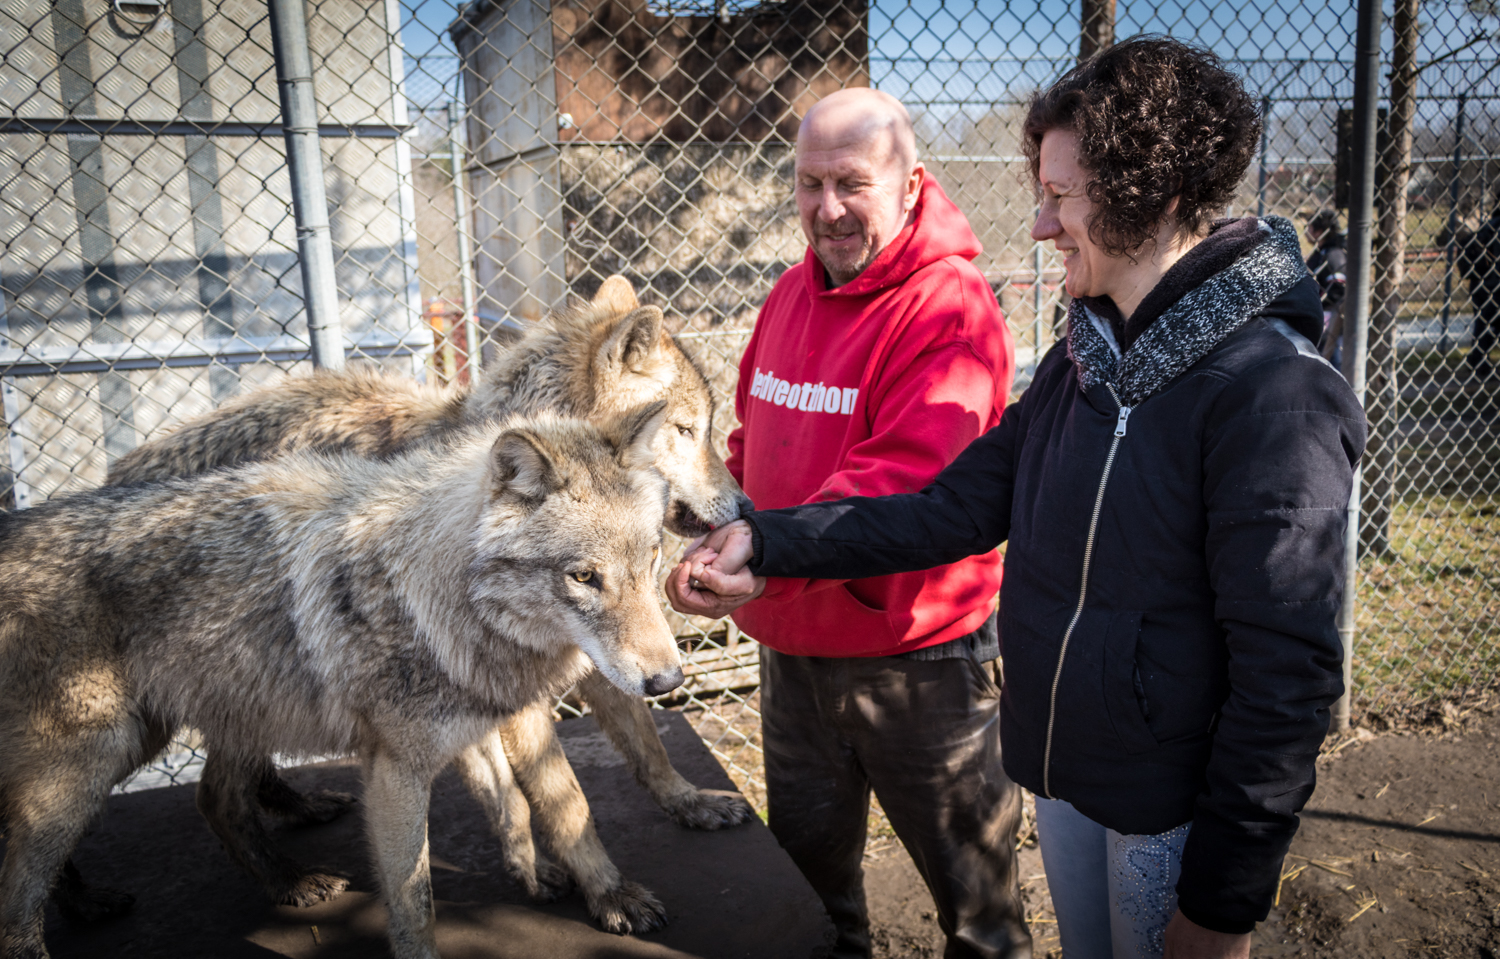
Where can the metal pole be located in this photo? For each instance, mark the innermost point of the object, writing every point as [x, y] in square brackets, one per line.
[1452, 251]
[465, 250]
[1357, 302]
[1265, 140]
[304, 160]
[10, 408]
[1038, 300]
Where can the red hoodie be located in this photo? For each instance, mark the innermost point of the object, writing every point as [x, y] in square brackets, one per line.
[867, 389]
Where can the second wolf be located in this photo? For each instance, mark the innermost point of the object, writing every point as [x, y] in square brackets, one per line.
[595, 361]
[318, 604]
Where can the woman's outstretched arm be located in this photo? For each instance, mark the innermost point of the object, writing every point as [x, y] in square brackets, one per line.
[964, 511]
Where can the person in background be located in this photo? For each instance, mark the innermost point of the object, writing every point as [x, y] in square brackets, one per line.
[873, 363]
[1327, 264]
[1479, 264]
[1172, 491]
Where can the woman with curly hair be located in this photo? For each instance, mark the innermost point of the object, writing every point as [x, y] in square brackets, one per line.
[1171, 490]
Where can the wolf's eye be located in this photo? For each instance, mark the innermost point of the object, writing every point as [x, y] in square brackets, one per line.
[584, 576]
[655, 552]
[686, 431]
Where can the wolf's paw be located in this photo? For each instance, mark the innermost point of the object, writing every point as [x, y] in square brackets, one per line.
[545, 881]
[89, 904]
[311, 888]
[629, 907]
[710, 809]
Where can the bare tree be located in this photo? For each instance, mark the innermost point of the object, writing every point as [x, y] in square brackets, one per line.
[1097, 20]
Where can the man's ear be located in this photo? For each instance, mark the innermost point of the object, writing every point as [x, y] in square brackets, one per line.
[616, 294]
[633, 433]
[914, 181]
[630, 343]
[523, 466]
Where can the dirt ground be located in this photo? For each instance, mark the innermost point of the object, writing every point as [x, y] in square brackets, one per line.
[1398, 857]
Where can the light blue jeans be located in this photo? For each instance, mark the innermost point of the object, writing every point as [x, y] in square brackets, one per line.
[1113, 894]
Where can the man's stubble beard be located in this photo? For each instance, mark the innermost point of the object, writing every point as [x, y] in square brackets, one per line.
[841, 273]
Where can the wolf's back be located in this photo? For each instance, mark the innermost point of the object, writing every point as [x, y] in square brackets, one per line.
[361, 411]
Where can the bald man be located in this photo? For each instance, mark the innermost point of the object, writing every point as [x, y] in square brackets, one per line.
[873, 363]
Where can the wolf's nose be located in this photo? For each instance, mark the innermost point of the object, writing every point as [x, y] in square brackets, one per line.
[744, 504]
[664, 682]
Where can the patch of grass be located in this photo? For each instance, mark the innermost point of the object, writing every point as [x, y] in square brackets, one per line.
[1429, 611]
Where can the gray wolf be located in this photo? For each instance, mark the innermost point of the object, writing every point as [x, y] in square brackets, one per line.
[878, 382]
[593, 361]
[401, 610]
[599, 359]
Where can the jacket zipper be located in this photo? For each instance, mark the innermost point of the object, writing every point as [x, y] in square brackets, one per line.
[1083, 586]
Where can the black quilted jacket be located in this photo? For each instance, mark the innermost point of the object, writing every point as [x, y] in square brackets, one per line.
[1175, 527]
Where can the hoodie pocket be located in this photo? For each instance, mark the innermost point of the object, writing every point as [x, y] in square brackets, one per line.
[1124, 696]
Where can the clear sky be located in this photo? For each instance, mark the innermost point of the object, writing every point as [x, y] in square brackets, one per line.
[932, 51]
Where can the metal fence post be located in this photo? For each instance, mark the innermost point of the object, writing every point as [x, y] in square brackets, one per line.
[14, 454]
[1452, 246]
[304, 160]
[465, 249]
[1357, 322]
[1265, 145]
[1038, 300]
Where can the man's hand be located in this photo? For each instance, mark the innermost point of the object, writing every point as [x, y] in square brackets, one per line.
[713, 578]
[1186, 939]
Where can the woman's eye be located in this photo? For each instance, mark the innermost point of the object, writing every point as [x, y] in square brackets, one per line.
[584, 576]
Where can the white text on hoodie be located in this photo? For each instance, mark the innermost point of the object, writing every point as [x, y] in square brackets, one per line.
[807, 397]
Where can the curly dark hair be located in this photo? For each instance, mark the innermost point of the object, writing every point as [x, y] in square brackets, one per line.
[1155, 119]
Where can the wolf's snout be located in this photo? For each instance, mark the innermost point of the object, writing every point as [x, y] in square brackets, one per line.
[742, 505]
[664, 682]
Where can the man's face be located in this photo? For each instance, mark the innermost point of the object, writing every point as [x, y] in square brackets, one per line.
[853, 197]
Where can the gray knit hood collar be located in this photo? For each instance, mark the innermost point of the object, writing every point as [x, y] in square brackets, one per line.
[1192, 327]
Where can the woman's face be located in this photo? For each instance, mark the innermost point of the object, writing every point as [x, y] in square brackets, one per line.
[1064, 219]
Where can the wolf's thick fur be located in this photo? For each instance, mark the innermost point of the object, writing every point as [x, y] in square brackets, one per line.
[593, 361]
[315, 604]
[597, 360]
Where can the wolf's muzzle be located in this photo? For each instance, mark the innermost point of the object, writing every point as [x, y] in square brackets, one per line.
[664, 682]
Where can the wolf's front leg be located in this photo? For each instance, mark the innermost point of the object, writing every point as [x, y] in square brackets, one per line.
[487, 773]
[627, 721]
[226, 798]
[396, 800]
[562, 814]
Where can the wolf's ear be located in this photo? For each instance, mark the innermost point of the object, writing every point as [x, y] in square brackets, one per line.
[616, 294]
[523, 466]
[630, 343]
[634, 432]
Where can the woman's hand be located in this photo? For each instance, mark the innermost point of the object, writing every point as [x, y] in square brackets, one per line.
[1186, 939]
[713, 578]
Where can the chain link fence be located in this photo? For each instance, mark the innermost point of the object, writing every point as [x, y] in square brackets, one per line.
[484, 162]
[1427, 614]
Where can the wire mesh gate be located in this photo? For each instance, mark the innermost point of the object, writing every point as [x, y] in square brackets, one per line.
[483, 162]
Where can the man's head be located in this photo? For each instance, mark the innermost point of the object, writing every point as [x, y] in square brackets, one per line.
[1322, 223]
[857, 178]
